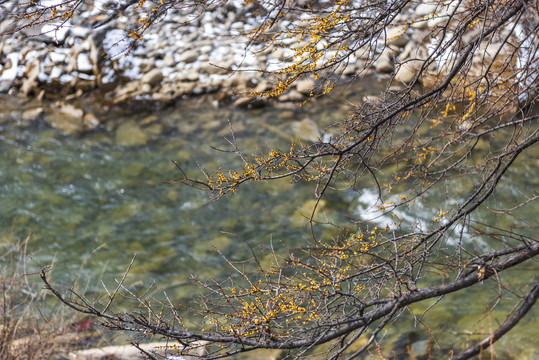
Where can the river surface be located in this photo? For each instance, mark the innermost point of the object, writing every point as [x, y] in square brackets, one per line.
[90, 203]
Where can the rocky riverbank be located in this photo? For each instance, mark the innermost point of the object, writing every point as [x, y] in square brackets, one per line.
[208, 54]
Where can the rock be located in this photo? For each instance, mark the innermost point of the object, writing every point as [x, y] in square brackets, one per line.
[407, 71]
[130, 134]
[169, 60]
[363, 53]
[189, 56]
[185, 88]
[352, 68]
[384, 64]
[302, 215]
[191, 75]
[84, 65]
[69, 125]
[238, 81]
[424, 9]
[30, 83]
[150, 119]
[249, 102]
[411, 49]
[153, 131]
[292, 95]
[90, 121]
[9, 70]
[68, 109]
[262, 86]
[146, 88]
[129, 352]
[122, 93]
[153, 77]
[32, 114]
[306, 129]
[305, 86]
[148, 65]
[215, 69]
[58, 33]
[396, 36]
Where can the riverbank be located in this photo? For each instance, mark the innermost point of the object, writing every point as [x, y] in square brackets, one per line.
[210, 54]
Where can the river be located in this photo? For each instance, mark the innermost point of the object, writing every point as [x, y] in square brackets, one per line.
[90, 203]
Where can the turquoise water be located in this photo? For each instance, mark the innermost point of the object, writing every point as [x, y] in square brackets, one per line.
[90, 200]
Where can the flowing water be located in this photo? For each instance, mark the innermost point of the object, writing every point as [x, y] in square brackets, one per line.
[91, 200]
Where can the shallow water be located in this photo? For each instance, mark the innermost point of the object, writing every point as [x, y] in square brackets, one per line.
[89, 200]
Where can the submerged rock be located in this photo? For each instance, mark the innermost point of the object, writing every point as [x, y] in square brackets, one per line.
[32, 114]
[130, 134]
[90, 121]
[306, 129]
[302, 215]
[66, 118]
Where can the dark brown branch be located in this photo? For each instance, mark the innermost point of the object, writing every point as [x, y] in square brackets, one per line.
[507, 325]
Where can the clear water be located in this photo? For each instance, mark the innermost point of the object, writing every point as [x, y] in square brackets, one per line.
[88, 200]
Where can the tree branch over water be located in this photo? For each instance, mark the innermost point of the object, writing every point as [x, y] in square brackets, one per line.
[453, 127]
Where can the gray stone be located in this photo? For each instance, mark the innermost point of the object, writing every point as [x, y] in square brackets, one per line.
[239, 81]
[153, 77]
[146, 88]
[384, 64]
[215, 69]
[305, 86]
[425, 9]
[189, 56]
[249, 102]
[407, 71]
[292, 95]
[169, 60]
[396, 36]
[148, 65]
[191, 75]
[262, 86]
